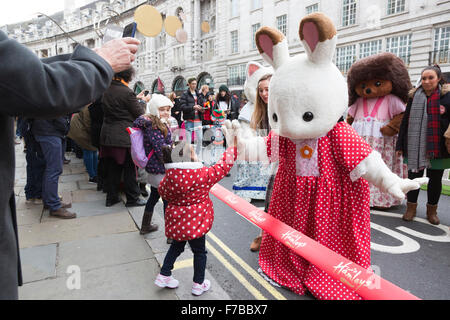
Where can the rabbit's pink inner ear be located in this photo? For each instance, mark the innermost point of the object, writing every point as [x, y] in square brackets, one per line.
[311, 35]
[252, 69]
[266, 44]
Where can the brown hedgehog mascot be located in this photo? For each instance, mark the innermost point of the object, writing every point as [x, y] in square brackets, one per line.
[378, 89]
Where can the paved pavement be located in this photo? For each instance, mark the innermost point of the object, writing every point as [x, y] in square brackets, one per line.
[98, 255]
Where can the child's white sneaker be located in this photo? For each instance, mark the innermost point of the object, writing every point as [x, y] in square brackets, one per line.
[163, 281]
[198, 289]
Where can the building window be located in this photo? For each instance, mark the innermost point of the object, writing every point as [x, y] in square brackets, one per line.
[160, 40]
[180, 14]
[212, 24]
[178, 56]
[234, 42]
[90, 43]
[236, 75]
[395, 6]
[345, 57]
[205, 79]
[256, 4]
[208, 49]
[180, 86]
[255, 28]
[312, 8]
[349, 13]
[400, 46]
[44, 53]
[155, 87]
[234, 8]
[441, 52]
[140, 63]
[161, 60]
[282, 23]
[369, 48]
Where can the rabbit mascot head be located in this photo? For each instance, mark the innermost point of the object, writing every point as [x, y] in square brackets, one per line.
[308, 94]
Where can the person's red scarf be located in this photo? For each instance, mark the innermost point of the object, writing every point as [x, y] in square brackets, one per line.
[434, 125]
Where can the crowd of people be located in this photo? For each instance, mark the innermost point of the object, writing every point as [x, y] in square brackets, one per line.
[99, 131]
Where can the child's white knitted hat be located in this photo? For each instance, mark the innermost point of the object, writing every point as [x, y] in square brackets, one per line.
[157, 101]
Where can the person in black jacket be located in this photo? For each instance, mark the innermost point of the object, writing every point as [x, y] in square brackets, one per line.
[421, 139]
[120, 108]
[35, 164]
[96, 113]
[228, 102]
[176, 110]
[34, 88]
[191, 103]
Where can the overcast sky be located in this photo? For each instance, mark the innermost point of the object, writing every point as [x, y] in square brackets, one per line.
[12, 11]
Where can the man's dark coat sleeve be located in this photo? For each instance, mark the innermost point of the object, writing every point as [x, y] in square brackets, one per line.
[46, 88]
[33, 88]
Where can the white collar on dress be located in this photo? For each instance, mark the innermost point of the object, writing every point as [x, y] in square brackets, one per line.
[184, 165]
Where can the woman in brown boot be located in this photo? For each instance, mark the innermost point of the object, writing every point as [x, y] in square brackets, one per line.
[260, 122]
[423, 140]
[156, 135]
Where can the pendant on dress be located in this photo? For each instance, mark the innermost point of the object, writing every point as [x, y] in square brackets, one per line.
[306, 152]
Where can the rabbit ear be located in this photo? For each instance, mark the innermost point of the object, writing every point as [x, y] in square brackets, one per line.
[252, 67]
[272, 46]
[319, 37]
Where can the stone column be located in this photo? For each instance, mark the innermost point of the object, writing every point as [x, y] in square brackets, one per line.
[197, 31]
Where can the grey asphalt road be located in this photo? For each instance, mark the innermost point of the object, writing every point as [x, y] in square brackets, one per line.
[413, 255]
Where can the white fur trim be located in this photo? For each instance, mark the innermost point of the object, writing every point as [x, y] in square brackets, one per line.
[184, 165]
[252, 149]
[246, 112]
[324, 51]
[280, 54]
[251, 82]
[157, 101]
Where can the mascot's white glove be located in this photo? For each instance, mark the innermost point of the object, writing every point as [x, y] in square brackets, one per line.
[374, 170]
[250, 148]
[246, 131]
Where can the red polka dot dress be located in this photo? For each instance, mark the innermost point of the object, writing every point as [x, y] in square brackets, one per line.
[186, 185]
[314, 194]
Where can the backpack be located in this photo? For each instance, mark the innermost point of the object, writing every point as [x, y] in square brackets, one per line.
[138, 155]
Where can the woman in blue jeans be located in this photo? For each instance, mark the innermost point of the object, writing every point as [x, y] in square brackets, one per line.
[91, 162]
[80, 133]
[191, 103]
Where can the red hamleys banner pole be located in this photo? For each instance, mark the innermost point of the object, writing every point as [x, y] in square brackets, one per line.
[363, 281]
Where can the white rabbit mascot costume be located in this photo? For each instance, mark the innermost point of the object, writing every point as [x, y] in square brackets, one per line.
[321, 186]
[252, 178]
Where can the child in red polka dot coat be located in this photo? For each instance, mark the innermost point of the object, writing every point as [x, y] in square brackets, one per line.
[321, 187]
[190, 213]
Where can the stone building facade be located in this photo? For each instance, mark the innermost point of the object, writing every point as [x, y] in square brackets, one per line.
[416, 30]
